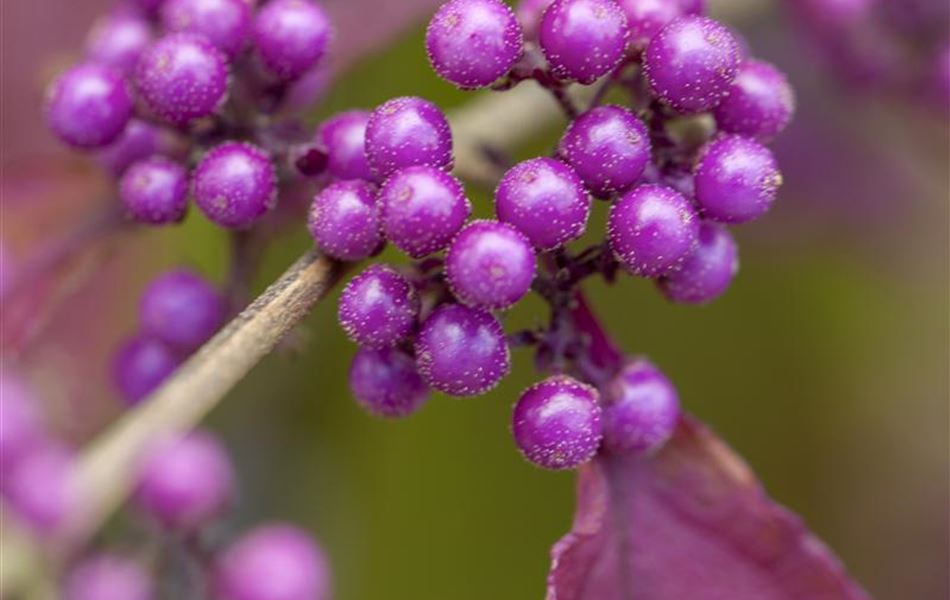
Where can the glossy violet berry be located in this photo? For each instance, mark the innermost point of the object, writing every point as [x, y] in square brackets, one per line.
[185, 482]
[226, 23]
[141, 365]
[138, 141]
[691, 63]
[608, 147]
[557, 423]
[646, 17]
[462, 351]
[642, 409]
[386, 383]
[707, 272]
[291, 36]
[182, 309]
[471, 43]
[41, 489]
[652, 229]
[378, 307]
[736, 180]
[118, 39]
[583, 39]
[344, 138]
[422, 208]
[344, 220]
[88, 106]
[21, 427]
[182, 77]
[273, 562]
[490, 264]
[107, 576]
[760, 102]
[545, 200]
[234, 185]
[155, 191]
[405, 132]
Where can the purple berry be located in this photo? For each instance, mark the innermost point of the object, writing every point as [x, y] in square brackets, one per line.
[41, 489]
[226, 23]
[305, 91]
[608, 147]
[691, 63]
[647, 17]
[182, 77]
[21, 427]
[118, 39]
[642, 409]
[234, 185]
[108, 577]
[405, 132]
[344, 220]
[378, 307]
[386, 383]
[545, 200]
[693, 7]
[760, 102]
[148, 7]
[490, 265]
[88, 106]
[273, 562]
[422, 208]
[462, 351]
[291, 36]
[182, 309]
[556, 423]
[652, 229]
[583, 39]
[344, 136]
[139, 140]
[736, 180]
[141, 364]
[471, 43]
[529, 16]
[707, 272]
[155, 191]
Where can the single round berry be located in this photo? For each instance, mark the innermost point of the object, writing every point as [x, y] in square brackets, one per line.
[344, 220]
[291, 36]
[422, 208]
[107, 576]
[760, 102]
[88, 106]
[462, 351]
[41, 489]
[556, 423]
[344, 138]
[608, 147]
[272, 562]
[185, 482]
[405, 132]
[583, 39]
[691, 63]
[642, 409]
[646, 17]
[182, 77]
[141, 365]
[545, 200]
[707, 272]
[490, 264]
[386, 383]
[652, 229]
[21, 427]
[736, 180]
[378, 307]
[118, 39]
[471, 43]
[155, 191]
[226, 23]
[138, 141]
[182, 309]
[234, 185]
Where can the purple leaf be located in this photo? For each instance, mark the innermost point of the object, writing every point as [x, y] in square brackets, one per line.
[688, 522]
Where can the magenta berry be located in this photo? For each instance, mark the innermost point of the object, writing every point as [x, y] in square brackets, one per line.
[343, 136]
[646, 17]
[386, 383]
[118, 39]
[141, 364]
[608, 147]
[760, 102]
[291, 36]
[529, 14]
[155, 191]
[88, 106]
[226, 23]
[652, 229]
[642, 409]
[138, 141]
[490, 264]
[41, 489]
[405, 132]
[344, 220]
[378, 307]
[707, 271]
[422, 208]
[471, 43]
[736, 180]
[556, 423]
[583, 39]
[21, 427]
[234, 185]
[182, 309]
[462, 351]
[107, 576]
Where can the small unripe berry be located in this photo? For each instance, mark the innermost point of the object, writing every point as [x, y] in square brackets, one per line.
[155, 191]
[736, 180]
[583, 39]
[141, 364]
[386, 383]
[291, 36]
[226, 23]
[344, 220]
[88, 106]
[378, 307]
[234, 185]
[344, 138]
[707, 272]
[107, 576]
[642, 409]
[490, 264]
[182, 309]
[405, 132]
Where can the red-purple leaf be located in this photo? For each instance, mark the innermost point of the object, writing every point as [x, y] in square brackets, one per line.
[690, 522]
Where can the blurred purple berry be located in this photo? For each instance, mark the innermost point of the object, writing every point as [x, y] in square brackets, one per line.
[88, 106]
[182, 309]
[155, 191]
[21, 426]
[234, 185]
[529, 16]
[759, 104]
[118, 39]
[490, 264]
[344, 220]
[226, 23]
[736, 180]
[41, 489]
[386, 383]
[583, 39]
[707, 272]
[405, 132]
[141, 364]
[646, 17]
[291, 36]
[378, 307]
[148, 7]
[138, 141]
[344, 137]
[641, 409]
[305, 91]
[693, 7]
[107, 576]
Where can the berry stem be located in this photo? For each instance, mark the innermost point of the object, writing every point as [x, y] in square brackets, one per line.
[602, 351]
